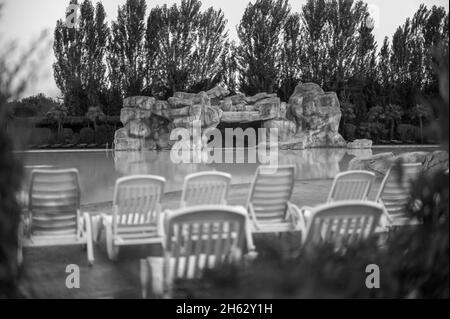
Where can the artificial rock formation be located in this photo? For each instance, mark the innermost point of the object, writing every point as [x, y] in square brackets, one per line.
[310, 119]
[380, 163]
[317, 115]
[360, 144]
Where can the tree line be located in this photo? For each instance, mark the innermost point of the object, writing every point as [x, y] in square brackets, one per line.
[185, 47]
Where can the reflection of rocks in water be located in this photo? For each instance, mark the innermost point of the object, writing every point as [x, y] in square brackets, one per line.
[314, 163]
[155, 163]
[366, 152]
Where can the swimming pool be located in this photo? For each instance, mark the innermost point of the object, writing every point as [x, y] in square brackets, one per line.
[100, 169]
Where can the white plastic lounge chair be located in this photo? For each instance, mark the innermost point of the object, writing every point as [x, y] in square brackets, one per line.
[394, 193]
[136, 213]
[22, 196]
[197, 238]
[53, 217]
[351, 185]
[342, 223]
[205, 188]
[269, 208]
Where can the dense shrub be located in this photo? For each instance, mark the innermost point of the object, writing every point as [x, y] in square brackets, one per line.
[349, 132]
[21, 109]
[67, 135]
[103, 134]
[10, 179]
[377, 131]
[408, 132]
[42, 135]
[362, 130]
[37, 105]
[86, 135]
[75, 138]
[271, 276]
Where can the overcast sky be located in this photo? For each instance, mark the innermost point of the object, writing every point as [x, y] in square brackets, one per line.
[24, 20]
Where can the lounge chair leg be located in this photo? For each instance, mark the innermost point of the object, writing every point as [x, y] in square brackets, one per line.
[112, 249]
[144, 278]
[20, 246]
[156, 268]
[20, 255]
[89, 245]
[97, 228]
[94, 223]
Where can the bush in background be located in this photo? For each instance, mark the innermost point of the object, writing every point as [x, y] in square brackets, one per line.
[103, 134]
[36, 105]
[377, 132]
[67, 135]
[408, 132]
[75, 139]
[349, 132]
[42, 135]
[87, 135]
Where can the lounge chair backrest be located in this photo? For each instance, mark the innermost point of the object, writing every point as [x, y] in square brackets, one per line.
[205, 188]
[204, 237]
[395, 188]
[137, 199]
[54, 200]
[351, 185]
[270, 191]
[343, 222]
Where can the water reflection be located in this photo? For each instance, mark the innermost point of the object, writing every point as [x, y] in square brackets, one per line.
[310, 164]
[314, 163]
[99, 170]
[155, 163]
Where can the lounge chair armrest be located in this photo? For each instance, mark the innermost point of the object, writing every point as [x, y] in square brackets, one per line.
[296, 216]
[252, 216]
[163, 222]
[385, 212]
[305, 208]
[250, 245]
[87, 222]
[160, 221]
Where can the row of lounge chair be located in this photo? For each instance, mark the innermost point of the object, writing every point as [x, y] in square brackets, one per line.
[205, 231]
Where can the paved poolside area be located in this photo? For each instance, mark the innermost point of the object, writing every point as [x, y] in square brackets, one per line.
[45, 267]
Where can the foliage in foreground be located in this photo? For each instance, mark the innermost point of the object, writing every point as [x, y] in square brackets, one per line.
[14, 77]
[10, 173]
[414, 263]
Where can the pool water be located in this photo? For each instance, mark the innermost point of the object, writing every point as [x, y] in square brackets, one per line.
[100, 169]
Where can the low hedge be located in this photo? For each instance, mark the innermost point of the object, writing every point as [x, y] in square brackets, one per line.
[75, 139]
[41, 135]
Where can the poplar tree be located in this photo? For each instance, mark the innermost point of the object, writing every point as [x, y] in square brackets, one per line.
[80, 68]
[184, 46]
[260, 49]
[127, 50]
